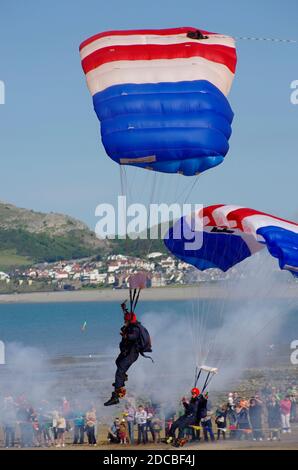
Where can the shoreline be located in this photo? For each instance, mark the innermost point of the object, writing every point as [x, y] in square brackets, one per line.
[202, 291]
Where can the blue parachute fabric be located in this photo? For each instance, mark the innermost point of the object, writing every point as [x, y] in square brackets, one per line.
[181, 127]
[283, 245]
[219, 250]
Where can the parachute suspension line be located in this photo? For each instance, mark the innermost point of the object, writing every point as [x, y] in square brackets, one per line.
[197, 376]
[134, 295]
[179, 197]
[131, 299]
[211, 371]
[204, 341]
[253, 38]
[191, 189]
[136, 299]
[207, 381]
[227, 296]
[152, 196]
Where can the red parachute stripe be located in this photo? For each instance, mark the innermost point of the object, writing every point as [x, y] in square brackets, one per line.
[208, 212]
[157, 32]
[239, 215]
[216, 53]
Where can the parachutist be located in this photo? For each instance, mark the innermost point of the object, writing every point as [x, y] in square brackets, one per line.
[195, 409]
[135, 341]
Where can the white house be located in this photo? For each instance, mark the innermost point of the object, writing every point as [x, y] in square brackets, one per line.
[4, 276]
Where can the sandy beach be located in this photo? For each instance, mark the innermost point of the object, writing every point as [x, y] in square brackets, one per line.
[202, 291]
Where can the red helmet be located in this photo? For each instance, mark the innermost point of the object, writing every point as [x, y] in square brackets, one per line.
[195, 391]
[130, 317]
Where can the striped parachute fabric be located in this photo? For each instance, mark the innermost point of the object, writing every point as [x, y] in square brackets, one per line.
[160, 96]
[233, 233]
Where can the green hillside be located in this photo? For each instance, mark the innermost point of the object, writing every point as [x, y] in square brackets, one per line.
[28, 237]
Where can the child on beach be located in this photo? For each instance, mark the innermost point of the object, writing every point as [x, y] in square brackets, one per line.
[206, 423]
[123, 432]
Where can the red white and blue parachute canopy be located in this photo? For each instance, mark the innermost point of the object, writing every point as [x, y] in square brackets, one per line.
[233, 233]
[160, 96]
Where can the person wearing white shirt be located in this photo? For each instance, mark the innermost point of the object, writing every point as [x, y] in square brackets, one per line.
[141, 420]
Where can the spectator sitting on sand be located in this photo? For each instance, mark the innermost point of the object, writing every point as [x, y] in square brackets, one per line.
[113, 434]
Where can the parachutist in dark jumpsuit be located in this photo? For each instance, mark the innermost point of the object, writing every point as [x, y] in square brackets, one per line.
[129, 353]
[193, 410]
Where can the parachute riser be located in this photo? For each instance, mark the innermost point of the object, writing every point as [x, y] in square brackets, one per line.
[211, 371]
[134, 295]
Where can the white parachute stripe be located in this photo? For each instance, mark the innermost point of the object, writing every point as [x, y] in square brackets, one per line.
[253, 222]
[134, 40]
[220, 215]
[250, 223]
[158, 71]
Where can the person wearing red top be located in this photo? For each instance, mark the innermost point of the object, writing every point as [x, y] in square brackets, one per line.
[285, 409]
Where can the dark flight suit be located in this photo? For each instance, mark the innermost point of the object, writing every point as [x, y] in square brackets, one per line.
[129, 352]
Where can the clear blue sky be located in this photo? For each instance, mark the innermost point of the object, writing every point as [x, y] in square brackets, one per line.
[51, 155]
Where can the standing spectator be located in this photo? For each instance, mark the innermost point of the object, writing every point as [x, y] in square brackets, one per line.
[230, 399]
[157, 426]
[130, 419]
[206, 423]
[24, 420]
[149, 424]
[221, 422]
[274, 418]
[255, 415]
[79, 428]
[55, 415]
[243, 425]
[90, 426]
[37, 434]
[232, 421]
[123, 431]
[141, 420]
[45, 422]
[61, 428]
[285, 408]
[293, 412]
